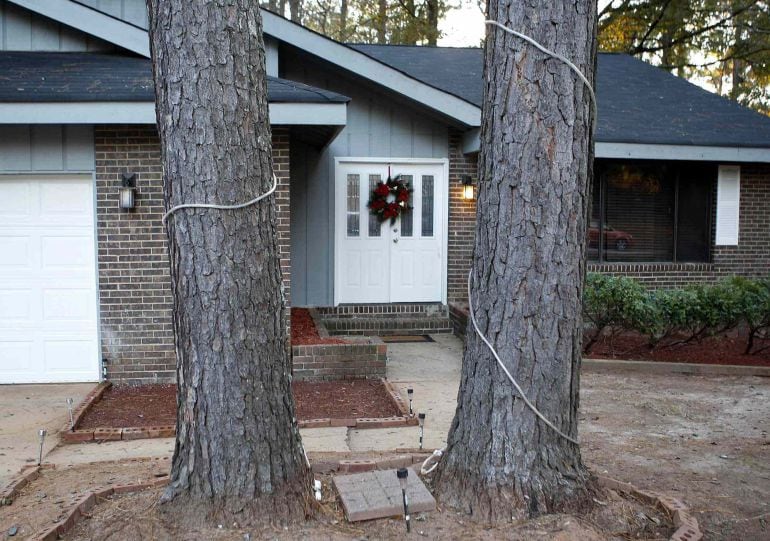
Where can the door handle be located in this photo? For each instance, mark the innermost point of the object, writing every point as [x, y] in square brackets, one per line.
[395, 240]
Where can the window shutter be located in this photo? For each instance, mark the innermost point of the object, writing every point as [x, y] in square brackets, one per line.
[728, 204]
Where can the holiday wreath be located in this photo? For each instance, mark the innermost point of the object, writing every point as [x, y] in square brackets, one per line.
[390, 198]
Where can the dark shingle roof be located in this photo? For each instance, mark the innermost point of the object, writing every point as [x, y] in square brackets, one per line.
[67, 77]
[638, 103]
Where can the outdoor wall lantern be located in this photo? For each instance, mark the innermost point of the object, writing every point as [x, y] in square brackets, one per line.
[128, 191]
[468, 187]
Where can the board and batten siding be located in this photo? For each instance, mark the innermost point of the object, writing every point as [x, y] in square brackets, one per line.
[378, 126]
[22, 30]
[46, 148]
[131, 11]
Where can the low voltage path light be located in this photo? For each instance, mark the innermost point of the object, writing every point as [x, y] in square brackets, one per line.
[410, 394]
[72, 418]
[421, 420]
[42, 434]
[403, 474]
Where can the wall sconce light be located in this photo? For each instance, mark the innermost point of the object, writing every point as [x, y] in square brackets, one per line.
[468, 187]
[128, 191]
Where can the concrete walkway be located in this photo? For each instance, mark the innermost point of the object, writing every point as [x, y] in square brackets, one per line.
[25, 409]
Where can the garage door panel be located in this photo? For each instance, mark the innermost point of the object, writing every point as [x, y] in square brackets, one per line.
[48, 298]
[16, 304]
[68, 304]
[16, 201]
[16, 356]
[62, 356]
[67, 252]
[15, 251]
[63, 201]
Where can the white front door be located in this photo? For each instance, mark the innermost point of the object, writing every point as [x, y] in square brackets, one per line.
[383, 262]
[48, 313]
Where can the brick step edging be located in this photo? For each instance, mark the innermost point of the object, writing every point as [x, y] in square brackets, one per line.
[687, 528]
[84, 506]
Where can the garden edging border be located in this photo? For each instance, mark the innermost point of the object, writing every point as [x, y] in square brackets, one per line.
[687, 527]
[661, 367]
[100, 434]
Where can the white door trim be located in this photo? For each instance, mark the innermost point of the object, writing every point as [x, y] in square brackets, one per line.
[443, 220]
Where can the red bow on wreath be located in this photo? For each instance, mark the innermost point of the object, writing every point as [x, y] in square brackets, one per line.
[389, 199]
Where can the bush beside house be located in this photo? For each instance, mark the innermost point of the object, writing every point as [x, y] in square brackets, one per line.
[613, 305]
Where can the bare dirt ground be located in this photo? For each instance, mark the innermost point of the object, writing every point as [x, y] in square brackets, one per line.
[139, 516]
[705, 440]
[45, 501]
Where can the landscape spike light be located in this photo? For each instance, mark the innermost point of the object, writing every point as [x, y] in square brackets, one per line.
[421, 420]
[42, 432]
[410, 394]
[72, 418]
[403, 474]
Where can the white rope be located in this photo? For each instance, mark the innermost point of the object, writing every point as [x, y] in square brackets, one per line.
[220, 207]
[438, 453]
[507, 373]
[556, 55]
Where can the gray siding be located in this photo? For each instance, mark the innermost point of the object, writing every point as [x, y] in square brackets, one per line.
[22, 30]
[131, 11]
[46, 148]
[377, 126]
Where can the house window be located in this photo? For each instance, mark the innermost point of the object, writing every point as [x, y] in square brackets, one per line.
[651, 212]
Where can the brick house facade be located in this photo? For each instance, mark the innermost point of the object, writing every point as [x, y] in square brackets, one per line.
[134, 284]
[135, 301]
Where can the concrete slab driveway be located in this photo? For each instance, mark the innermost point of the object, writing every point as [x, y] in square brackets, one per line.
[25, 409]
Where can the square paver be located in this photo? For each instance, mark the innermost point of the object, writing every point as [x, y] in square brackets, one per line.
[377, 494]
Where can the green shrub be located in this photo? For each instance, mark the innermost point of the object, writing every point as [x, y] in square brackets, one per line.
[692, 313]
[613, 303]
[754, 308]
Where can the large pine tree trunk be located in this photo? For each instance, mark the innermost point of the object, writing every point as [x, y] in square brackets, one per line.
[527, 271]
[238, 450]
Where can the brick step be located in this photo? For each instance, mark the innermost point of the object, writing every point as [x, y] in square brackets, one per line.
[388, 326]
[385, 311]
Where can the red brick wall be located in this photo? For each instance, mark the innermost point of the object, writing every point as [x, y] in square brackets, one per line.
[134, 283]
[462, 219]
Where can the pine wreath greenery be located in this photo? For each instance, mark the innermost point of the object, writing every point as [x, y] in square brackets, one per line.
[390, 198]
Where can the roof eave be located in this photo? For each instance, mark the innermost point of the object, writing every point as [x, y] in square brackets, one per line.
[646, 151]
[143, 112]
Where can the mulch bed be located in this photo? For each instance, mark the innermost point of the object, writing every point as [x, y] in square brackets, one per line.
[724, 349]
[155, 405]
[304, 332]
[342, 399]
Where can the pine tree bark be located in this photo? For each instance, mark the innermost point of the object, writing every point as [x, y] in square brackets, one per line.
[527, 272]
[238, 451]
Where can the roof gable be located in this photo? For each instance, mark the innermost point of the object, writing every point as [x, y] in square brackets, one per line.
[638, 103]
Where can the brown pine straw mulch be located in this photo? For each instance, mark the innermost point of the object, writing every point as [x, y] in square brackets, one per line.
[724, 349]
[155, 405]
[304, 332]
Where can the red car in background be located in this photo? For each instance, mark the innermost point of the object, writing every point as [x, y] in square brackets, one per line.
[613, 238]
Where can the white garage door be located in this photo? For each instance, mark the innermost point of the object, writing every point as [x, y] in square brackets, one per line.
[48, 314]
